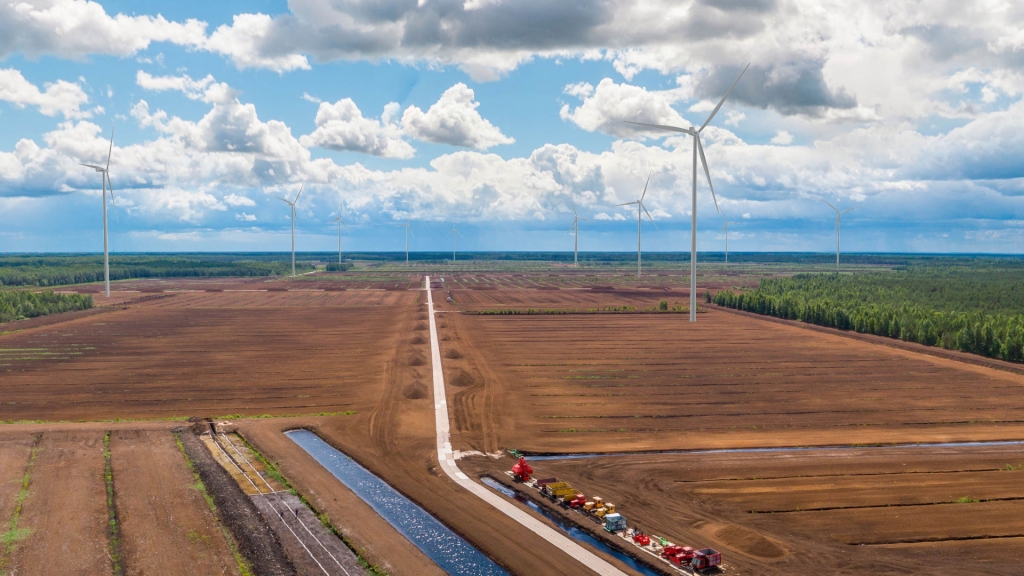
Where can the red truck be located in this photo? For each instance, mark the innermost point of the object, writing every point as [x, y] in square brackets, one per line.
[706, 558]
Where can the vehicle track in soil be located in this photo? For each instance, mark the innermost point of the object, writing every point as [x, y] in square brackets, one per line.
[322, 554]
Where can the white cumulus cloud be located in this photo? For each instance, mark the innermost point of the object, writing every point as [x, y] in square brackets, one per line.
[60, 97]
[341, 126]
[608, 107]
[453, 120]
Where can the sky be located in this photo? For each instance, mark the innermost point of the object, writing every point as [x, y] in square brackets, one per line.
[497, 116]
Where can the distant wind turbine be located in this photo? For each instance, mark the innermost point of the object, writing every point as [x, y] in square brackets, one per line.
[454, 234]
[406, 226]
[105, 171]
[640, 206]
[839, 215]
[575, 229]
[697, 148]
[726, 237]
[292, 204]
[341, 222]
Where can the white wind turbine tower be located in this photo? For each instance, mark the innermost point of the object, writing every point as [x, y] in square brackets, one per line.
[640, 206]
[575, 229]
[454, 234]
[105, 171]
[839, 215]
[292, 204]
[341, 222]
[726, 227]
[406, 226]
[697, 148]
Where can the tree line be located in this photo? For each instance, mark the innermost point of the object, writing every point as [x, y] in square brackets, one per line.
[64, 270]
[18, 304]
[971, 309]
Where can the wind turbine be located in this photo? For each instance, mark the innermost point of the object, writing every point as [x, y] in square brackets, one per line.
[575, 229]
[341, 222]
[105, 171]
[726, 237]
[406, 226]
[640, 206]
[839, 215]
[454, 234]
[697, 147]
[292, 204]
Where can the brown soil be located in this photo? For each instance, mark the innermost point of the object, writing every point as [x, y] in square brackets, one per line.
[166, 525]
[461, 379]
[198, 354]
[415, 391]
[654, 382]
[66, 509]
[256, 540]
[14, 456]
[823, 511]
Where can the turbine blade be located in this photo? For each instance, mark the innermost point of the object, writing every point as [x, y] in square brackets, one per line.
[111, 149]
[831, 206]
[649, 216]
[299, 194]
[661, 127]
[573, 206]
[707, 173]
[112, 203]
[626, 204]
[282, 200]
[95, 167]
[645, 186]
[722, 101]
[851, 209]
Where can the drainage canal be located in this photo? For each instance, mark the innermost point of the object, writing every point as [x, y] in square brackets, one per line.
[583, 455]
[453, 554]
[571, 529]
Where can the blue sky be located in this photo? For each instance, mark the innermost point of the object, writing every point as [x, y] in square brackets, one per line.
[495, 114]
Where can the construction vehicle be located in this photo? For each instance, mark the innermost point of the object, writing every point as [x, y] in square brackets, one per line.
[678, 555]
[640, 538]
[521, 470]
[614, 522]
[706, 558]
[578, 501]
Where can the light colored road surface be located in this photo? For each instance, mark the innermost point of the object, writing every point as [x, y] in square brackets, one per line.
[447, 460]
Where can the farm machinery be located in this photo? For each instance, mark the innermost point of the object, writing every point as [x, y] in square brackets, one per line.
[605, 514]
[522, 471]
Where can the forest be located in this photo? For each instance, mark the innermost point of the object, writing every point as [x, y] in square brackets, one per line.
[19, 304]
[973, 307]
[73, 269]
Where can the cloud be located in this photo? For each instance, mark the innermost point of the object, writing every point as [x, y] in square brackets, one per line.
[60, 97]
[607, 107]
[313, 99]
[206, 89]
[453, 120]
[342, 127]
[74, 29]
[602, 216]
[238, 200]
[243, 217]
[782, 138]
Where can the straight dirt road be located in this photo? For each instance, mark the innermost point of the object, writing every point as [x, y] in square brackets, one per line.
[447, 460]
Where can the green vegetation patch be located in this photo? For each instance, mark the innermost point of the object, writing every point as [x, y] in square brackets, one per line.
[973, 308]
[19, 304]
[113, 527]
[9, 539]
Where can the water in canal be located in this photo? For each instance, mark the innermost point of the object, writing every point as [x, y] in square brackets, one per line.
[450, 551]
